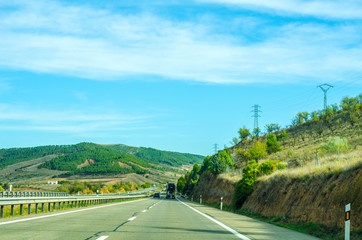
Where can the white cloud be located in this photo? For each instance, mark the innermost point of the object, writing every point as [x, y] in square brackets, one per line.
[103, 45]
[335, 9]
[21, 118]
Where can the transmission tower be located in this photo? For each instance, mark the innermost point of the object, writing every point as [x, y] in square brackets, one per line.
[215, 148]
[325, 88]
[256, 115]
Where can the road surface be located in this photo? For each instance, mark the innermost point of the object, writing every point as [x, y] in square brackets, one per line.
[143, 219]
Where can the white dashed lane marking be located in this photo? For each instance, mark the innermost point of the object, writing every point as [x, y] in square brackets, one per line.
[102, 238]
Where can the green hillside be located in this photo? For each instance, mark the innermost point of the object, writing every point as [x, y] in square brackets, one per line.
[90, 159]
[159, 157]
[12, 156]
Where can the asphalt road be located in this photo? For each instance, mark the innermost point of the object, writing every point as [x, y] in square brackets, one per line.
[143, 219]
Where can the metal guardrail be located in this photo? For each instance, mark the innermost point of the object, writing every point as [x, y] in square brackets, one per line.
[31, 194]
[71, 201]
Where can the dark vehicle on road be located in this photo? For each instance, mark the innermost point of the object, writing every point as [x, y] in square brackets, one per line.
[171, 190]
[156, 195]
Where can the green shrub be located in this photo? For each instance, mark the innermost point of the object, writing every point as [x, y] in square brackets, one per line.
[146, 185]
[272, 144]
[333, 143]
[258, 151]
[250, 173]
[267, 167]
[246, 185]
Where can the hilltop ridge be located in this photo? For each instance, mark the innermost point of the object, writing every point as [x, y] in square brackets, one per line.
[88, 160]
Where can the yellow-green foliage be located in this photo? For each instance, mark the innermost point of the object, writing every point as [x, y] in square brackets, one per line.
[335, 143]
[250, 173]
[258, 151]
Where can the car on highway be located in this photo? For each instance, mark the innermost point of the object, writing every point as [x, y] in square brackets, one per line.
[156, 195]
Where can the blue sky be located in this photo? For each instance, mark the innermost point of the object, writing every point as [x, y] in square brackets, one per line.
[172, 75]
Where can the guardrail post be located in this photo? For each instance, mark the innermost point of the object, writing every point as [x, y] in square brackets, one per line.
[347, 223]
[42, 207]
[12, 210]
[36, 208]
[29, 209]
[54, 206]
[49, 207]
[2, 211]
[58, 205]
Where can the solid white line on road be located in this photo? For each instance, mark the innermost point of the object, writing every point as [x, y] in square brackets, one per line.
[63, 213]
[217, 222]
[102, 238]
[132, 218]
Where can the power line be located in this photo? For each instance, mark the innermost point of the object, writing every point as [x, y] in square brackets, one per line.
[256, 115]
[325, 88]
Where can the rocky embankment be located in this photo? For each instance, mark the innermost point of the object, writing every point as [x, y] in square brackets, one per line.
[318, 198]
[212, 188]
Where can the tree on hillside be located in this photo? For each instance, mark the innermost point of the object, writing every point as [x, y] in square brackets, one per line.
[273, 127]
[352, 106]
[314, 116]
[258, 151]
[217, 163]
[272, 144]
[181, 182]
[206, 165]
[222, 161]
[234, 141]
[244, 133]
[191, 178]
[195, 172]
[300, 118]
[257, 132]
[241, 158]
[327, 116]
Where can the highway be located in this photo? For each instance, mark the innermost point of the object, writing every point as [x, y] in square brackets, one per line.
[143, 219]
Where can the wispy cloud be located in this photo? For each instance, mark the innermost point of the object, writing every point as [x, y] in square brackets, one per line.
[21, 118]
[335, 9]
[103, 45]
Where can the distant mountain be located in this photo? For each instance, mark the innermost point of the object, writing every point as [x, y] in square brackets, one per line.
[91, 158]
[157, 156]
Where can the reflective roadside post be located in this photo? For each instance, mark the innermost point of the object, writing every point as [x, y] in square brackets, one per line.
[347, 223]
[221, 204]
[200, 199]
